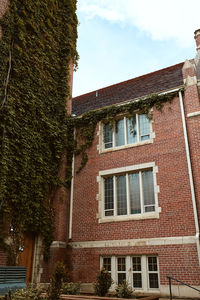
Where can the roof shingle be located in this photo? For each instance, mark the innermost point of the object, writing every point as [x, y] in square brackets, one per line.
[154, 82]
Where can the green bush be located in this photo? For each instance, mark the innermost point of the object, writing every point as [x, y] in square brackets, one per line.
[71, 288]
[103, 283]
[25, 294]
[124, 290]
[57, 279]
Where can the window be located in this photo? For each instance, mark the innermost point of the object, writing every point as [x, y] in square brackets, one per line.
[126, 131]
[129, 193]
[141, 272]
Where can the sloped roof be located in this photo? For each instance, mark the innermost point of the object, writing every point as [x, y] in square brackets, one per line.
[154, 82]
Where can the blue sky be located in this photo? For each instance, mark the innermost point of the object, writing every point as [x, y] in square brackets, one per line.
[122, 39]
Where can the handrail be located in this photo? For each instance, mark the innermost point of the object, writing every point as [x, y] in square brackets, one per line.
[170, 289]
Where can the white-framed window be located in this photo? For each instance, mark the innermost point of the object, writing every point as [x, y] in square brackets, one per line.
[128, 193]
[141, 271]
[126, 131]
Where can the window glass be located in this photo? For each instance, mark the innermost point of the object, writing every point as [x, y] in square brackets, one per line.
[132, 130]
[144, 127]
[153, 272]
[148, 191]
[108, 136]
[137, 274]
[109, 201]
[121, 195]
[120, 138]
[121, 265]
[134, 187]
[107, 263]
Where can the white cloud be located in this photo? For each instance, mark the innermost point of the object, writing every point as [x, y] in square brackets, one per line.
[161, 19]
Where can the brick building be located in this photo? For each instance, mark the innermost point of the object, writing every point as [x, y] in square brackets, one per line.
[135, 206]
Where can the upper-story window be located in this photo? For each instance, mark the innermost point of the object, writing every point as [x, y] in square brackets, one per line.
[126, 131]
[130, 193]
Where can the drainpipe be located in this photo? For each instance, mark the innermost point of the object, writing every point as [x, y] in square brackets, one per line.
[190, 174]
[71, 196]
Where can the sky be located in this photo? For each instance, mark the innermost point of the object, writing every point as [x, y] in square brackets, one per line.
[122, 39]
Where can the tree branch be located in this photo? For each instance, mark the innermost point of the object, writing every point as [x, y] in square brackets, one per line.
[8, 76]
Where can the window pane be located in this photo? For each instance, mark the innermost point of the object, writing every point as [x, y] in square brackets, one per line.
[121, 195]
[153, 280]
[137, 280]
[134, 187]
[108, 136]
[152, 263]
[121, 263]
[107, 263]
[108, 194]
[144, 127]
[120, 138]
[148, 191]
[132, 130]
[136, 263]
[121, 277]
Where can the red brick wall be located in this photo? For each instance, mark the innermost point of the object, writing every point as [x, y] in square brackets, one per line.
[179, 261]
[168, 153]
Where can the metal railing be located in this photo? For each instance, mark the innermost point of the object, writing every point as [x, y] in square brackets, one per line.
[170, 287]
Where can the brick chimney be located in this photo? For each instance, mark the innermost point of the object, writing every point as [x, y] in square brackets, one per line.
[197, 57]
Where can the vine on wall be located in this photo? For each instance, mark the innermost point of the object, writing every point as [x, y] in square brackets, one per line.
[38, 44]
[86, 124]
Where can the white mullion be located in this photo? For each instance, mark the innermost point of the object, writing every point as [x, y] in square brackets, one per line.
[125, 131]
[128, 270]
[113, 269]
[141, 193]
[115, 195]
[145, 275]
[128, 194]
[138, 128]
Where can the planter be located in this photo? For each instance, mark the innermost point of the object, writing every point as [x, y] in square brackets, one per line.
[91, 297]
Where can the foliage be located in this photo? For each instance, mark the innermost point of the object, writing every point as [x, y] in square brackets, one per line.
[103, 283]
[124, 290]
[71, 288]
[28, 294]
[57, 279]
[86, 124]
[38, 44]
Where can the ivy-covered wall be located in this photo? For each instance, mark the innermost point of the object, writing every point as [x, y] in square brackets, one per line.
[37, 46]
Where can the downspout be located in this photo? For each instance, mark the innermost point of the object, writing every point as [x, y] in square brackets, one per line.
[71, 196]
[190, 175]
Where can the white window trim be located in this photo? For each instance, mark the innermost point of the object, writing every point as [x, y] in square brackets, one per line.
[101, 148]
[115, 171]
[129, 271]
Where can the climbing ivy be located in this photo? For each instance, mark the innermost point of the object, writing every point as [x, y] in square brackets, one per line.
[37, 47]
[38, 44]
[86, 124]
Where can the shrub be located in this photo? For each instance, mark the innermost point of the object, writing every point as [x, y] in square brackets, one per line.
[71, 288]
[124, 290]
[22, 294]
[57, 279]
[103, 283]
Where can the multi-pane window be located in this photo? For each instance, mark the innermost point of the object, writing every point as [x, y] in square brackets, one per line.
[126, 131]
[141, 272]
[107, 263]
[137, 271]
[128, 194]
[121, 269]
[153, 272]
